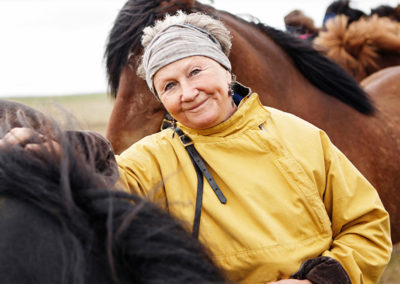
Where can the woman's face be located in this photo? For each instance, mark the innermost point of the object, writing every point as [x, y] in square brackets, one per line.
[194, 90]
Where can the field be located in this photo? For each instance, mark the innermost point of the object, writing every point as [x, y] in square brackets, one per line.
[92, 113]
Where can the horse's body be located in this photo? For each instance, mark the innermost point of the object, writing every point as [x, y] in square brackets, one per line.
[285, 77]
[61, 223]
[384, 87]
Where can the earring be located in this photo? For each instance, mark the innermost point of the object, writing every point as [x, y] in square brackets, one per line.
[173, 124]
[230, 91]
[173, 121]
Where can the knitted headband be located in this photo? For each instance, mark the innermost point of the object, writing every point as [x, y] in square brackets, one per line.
[179, 41]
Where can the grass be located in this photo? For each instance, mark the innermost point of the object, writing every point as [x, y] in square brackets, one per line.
[392, 272]
[92, 113]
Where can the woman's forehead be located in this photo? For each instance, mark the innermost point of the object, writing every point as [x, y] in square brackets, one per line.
[192, 60]
[182, 65]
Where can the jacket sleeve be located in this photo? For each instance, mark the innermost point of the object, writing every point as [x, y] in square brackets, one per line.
[140, 173]
[360, 224]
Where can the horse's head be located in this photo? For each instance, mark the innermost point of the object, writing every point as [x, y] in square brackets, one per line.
[13, 114]
[136, 112]
[61, 223]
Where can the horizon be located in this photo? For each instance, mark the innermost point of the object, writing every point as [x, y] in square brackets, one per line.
[54, 48]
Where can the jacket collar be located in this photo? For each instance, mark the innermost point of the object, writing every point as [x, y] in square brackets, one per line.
[250, 114]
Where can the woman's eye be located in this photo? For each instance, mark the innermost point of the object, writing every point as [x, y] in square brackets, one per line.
[195, 72]
[169, 86]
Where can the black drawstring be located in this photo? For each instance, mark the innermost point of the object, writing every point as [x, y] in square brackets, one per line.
[201, 170]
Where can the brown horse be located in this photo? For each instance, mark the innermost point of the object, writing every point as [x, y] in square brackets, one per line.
[287, 73]
[384, 86]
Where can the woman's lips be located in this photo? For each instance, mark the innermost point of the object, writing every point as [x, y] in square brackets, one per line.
[196, 106]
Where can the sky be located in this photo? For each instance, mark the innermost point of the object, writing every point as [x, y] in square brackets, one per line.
[56, 47]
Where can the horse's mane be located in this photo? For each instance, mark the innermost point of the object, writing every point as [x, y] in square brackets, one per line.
[90, 227]
[322, 72]
[358, 46]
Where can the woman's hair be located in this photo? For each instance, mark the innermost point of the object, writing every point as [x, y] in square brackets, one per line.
[203, 21]
[62, 222]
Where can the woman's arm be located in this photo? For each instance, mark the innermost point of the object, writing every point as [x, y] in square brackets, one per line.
[360, 224]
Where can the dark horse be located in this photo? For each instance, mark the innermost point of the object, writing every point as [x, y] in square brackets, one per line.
[287, 73]
[61, 223]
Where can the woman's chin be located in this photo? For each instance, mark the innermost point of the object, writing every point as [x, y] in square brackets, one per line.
[201, 123]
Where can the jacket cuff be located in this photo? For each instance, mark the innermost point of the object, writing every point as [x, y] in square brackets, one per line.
[322, 270]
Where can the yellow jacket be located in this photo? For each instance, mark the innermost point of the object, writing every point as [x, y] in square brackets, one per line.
[291, 195]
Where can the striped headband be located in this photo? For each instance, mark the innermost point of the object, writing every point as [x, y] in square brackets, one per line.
[179, 41]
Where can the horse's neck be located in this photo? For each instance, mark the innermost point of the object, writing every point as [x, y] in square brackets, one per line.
[136, 112]
[265, 67]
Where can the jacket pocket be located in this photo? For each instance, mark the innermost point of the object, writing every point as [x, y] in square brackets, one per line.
[298, 179]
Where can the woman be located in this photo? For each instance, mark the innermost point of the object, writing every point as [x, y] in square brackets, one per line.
[279, 202]
[288, 195]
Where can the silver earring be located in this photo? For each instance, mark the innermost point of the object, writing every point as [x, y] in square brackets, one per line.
[230, 91]
[173, 126]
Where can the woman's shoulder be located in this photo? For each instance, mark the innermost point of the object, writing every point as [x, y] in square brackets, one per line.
[293, 129]
[285, 118]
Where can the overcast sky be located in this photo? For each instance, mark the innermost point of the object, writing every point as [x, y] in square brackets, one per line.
[55, 47]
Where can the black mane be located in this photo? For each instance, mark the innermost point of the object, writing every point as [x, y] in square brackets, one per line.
[322, 72]
[325, 74]
[61, 221]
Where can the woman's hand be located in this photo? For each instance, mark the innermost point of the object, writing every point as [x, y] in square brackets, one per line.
[291, 281]
[30, 140]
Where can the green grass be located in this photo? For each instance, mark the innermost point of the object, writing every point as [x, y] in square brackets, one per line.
[91, 111]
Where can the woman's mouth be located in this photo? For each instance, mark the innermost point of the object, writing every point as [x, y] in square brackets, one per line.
[197, 106]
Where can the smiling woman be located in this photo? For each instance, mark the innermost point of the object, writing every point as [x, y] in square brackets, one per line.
[250, 162]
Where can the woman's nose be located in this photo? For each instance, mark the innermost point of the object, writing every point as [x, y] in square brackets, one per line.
[189, 92]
